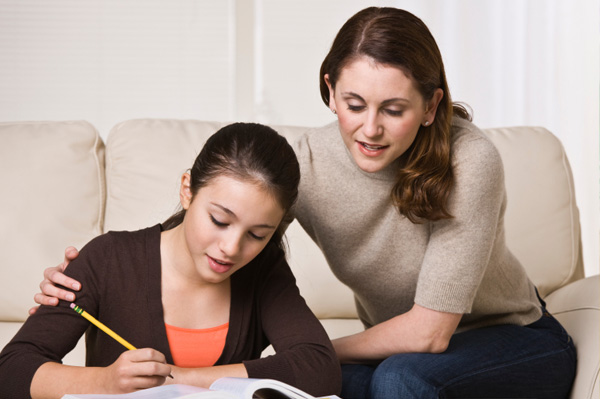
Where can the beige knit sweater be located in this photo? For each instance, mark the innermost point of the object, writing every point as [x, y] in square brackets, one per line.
[458, 265]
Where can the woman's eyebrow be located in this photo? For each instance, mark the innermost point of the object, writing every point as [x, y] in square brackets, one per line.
[230, 212]
[385, 102]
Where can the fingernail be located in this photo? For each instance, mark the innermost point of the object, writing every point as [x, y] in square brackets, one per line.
[70, 297]
[75, 286]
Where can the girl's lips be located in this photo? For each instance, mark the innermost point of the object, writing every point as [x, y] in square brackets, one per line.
[371, 150]
[219, 266]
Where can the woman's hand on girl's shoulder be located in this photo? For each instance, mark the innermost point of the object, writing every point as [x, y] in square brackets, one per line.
[53, 278]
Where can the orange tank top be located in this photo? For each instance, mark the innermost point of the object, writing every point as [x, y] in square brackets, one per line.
[196, 347]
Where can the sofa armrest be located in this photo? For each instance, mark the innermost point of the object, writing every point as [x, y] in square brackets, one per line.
[577, 307]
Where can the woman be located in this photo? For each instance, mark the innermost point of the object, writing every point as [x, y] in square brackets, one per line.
[406, 199]
[221, 256]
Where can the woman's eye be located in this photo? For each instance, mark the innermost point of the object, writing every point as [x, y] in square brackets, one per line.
[355, 108]
[393, 112]
[216, 222]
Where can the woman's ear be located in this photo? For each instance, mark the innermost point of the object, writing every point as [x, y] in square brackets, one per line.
[432, 105]
[185, 191]
[332, 105]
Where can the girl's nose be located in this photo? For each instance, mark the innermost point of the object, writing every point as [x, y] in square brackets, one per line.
[230, 244]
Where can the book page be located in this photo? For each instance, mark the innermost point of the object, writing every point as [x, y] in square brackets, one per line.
[176, 391]
[248, 388]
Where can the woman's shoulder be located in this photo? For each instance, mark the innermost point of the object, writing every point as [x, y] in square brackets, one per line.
[469, 142]
[316, 137]
[475, 160]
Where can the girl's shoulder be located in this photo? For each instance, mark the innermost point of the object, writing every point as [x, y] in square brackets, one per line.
[123, 239]
[122, 253]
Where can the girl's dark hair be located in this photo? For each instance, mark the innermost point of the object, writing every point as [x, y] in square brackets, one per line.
[248, 152]
[397, 38]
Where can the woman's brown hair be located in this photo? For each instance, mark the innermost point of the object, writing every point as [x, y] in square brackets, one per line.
[248, 152]
[397, 38]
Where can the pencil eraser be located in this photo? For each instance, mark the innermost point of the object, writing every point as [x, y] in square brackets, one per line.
[72, 305]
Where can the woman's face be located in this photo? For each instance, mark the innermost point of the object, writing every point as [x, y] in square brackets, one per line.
[379, 112]
[228, 223]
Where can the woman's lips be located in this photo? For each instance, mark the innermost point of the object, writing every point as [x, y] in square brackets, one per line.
[219, 266]
[371, 150]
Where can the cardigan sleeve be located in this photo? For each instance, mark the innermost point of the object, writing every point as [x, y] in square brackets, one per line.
[50, 333]
[460, 248]
[304, 357]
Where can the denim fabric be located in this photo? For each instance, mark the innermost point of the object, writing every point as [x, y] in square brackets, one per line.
[504, 361]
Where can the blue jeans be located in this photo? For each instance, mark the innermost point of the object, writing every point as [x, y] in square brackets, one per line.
[504, 361]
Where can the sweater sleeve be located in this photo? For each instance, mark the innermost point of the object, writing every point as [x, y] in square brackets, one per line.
[51, 333]
[459, 249]
[304, 357]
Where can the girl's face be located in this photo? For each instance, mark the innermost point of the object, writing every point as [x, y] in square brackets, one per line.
[227, 224]
[379, 112]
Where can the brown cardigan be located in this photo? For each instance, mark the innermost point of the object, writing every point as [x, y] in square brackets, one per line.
[120, 274]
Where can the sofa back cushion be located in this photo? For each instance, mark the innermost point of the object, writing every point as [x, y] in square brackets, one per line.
[542, 218]
[52, 178]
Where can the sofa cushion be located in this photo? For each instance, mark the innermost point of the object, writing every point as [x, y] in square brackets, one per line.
[577, 307]
[145, 159]
[542, 219]
[52, 178]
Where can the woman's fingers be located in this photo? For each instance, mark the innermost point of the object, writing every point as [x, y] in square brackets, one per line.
[70, 254]
[52, 290]
[51, 287]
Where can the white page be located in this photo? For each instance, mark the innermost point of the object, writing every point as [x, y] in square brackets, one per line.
[244, 387]
[176, 391]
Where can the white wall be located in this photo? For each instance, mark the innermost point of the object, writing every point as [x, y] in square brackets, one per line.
[515, 62]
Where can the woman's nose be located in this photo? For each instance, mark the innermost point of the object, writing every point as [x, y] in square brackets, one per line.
[371, 126]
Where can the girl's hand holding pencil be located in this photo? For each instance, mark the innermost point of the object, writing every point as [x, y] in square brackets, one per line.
[134, 369]
[137, 369]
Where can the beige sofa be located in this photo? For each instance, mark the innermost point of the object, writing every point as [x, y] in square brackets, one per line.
[62, 186]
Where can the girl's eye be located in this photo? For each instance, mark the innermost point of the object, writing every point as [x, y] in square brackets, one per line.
[259, 238]
[216, 222]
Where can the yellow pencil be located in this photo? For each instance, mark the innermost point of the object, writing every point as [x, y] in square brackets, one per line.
[101, 326]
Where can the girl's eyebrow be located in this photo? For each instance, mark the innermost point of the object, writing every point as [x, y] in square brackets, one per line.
[385, 102]
[230, 212]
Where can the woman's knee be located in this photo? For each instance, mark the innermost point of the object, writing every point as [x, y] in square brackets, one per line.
[356, 379]
[402, 376]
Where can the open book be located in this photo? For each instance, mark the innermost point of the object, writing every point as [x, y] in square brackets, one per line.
[223, 388]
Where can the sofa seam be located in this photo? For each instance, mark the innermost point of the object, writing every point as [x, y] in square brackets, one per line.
[574, 252]
[592, 383]
[100, 166]
[574, 310]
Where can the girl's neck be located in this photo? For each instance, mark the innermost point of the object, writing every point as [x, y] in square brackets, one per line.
[206, 304]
